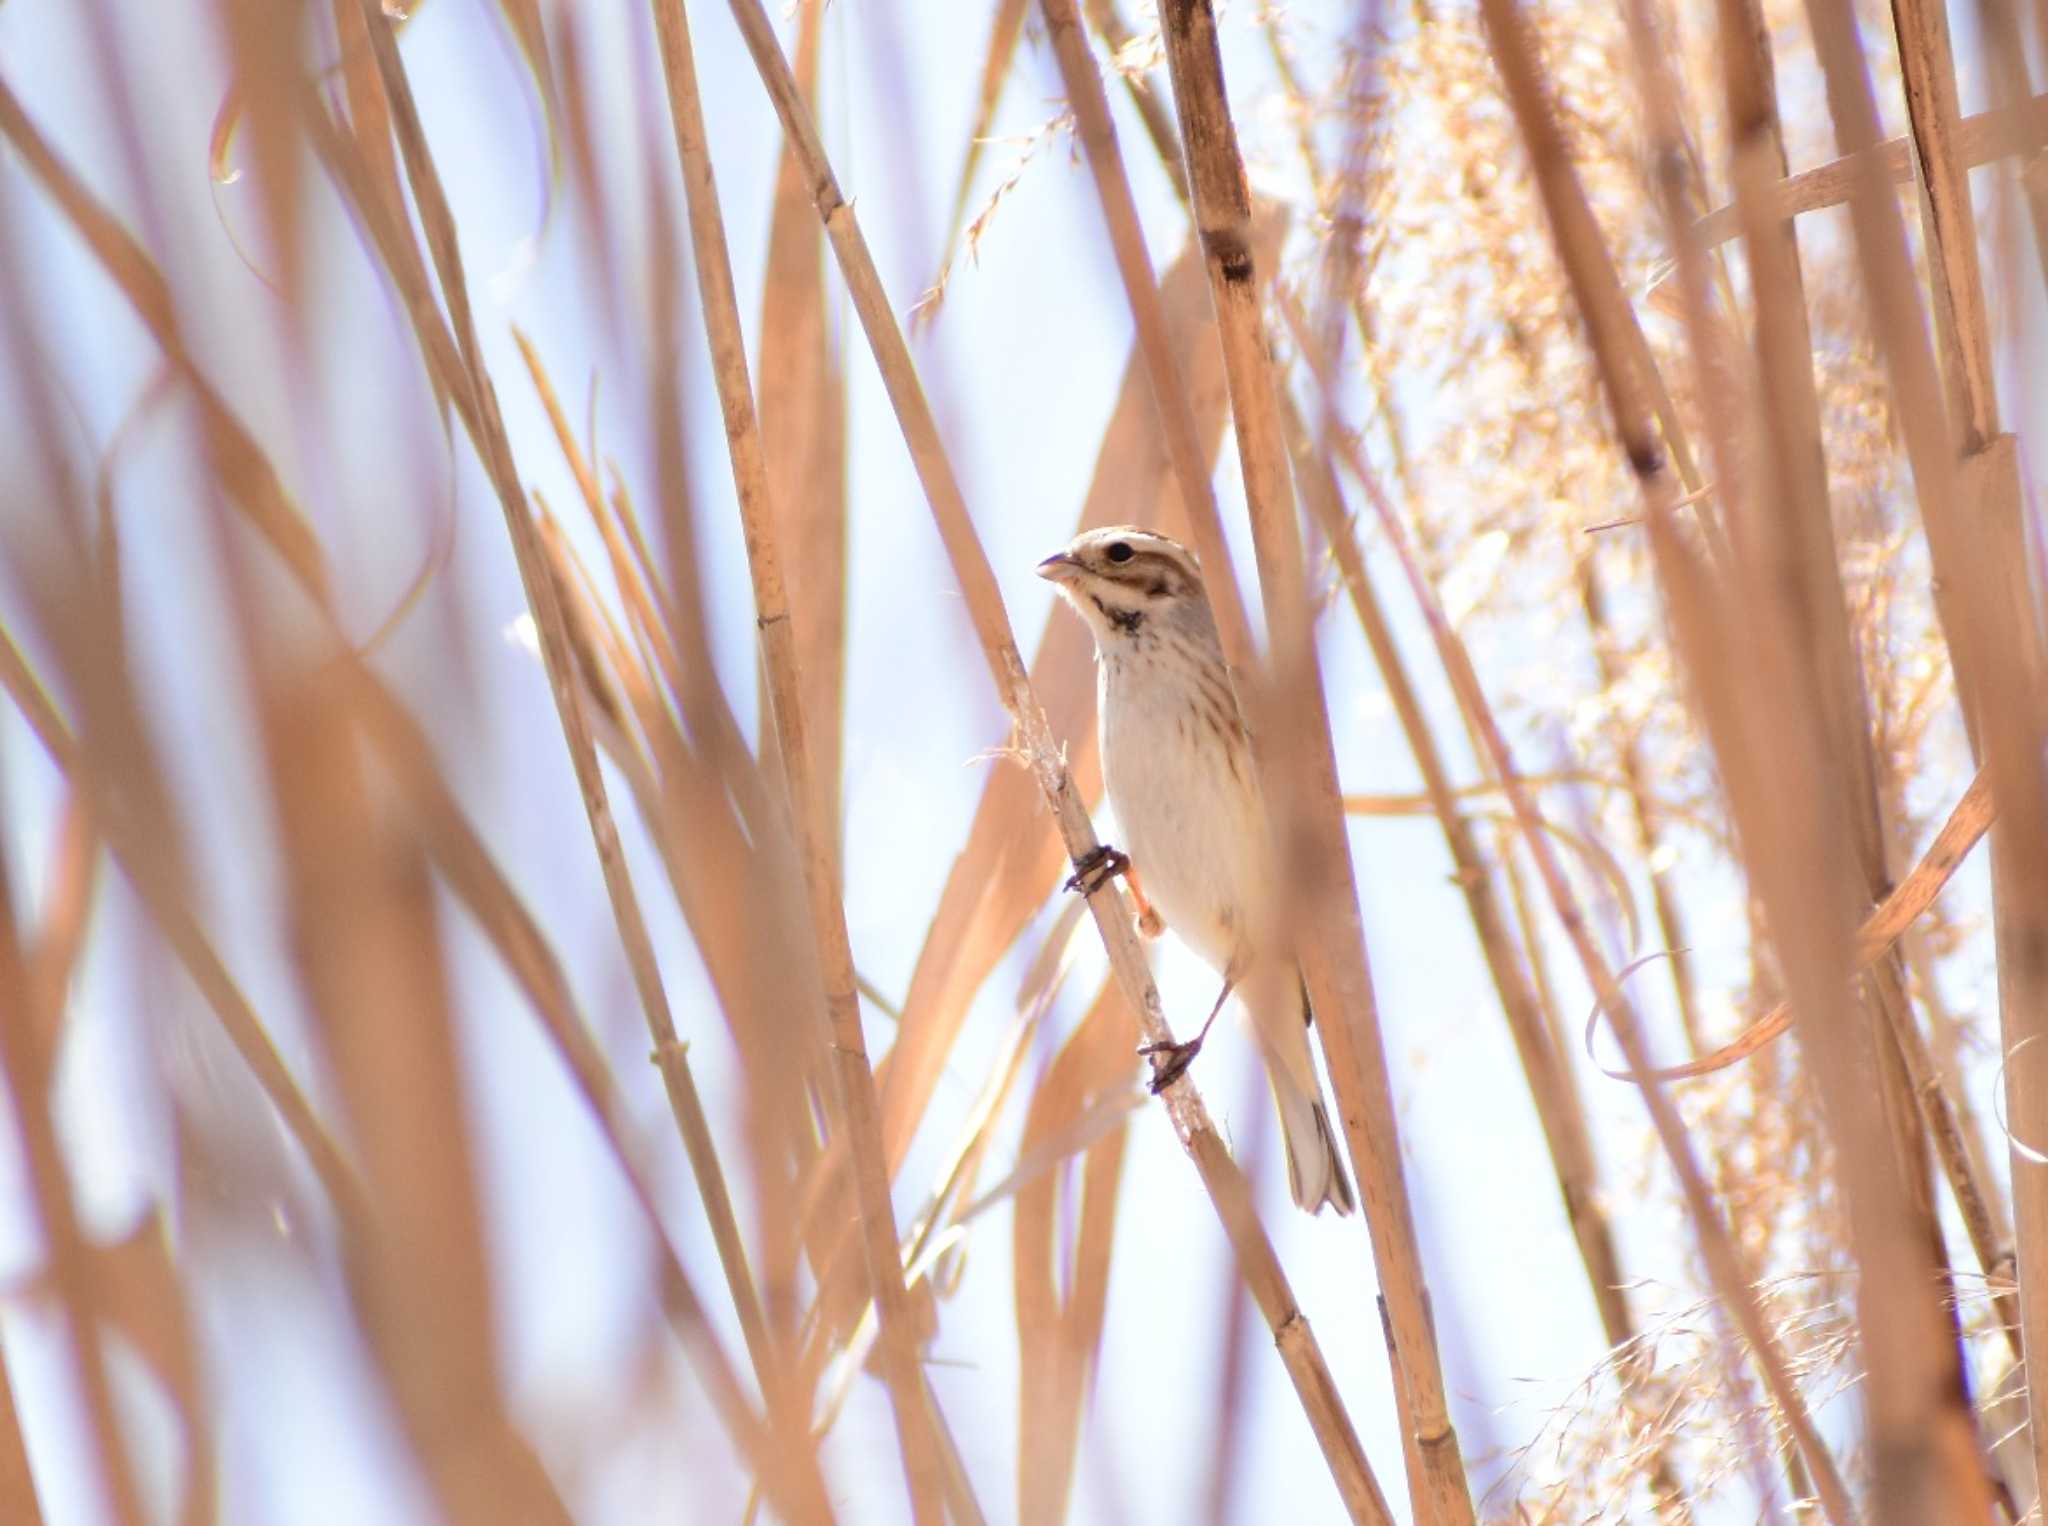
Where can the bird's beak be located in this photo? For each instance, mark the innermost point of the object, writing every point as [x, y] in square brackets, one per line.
[1059, 568]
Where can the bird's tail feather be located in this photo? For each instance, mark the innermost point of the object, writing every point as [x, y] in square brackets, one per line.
[1315, 1165]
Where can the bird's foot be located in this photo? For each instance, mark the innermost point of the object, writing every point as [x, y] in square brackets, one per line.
[1104, 865]
[1170, 1061]
[1098, 869]
[1150, 923]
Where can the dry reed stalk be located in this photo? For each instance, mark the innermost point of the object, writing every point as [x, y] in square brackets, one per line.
[1793, 499]
[701, 882]
[1962, 329]
[917, 1423]
[2000, 133]
[17, 1483]
[803, 427]
[783, 958]
[1297, 764]
[1527, 998]
[1109, 25]
[685, 801]
[1643, 810]
[1141, 290]
[1225, 1183]
[363, 933]
[481, 886]
[1004, 28]
[2013, 725]
[468, 385]
[1966, 825]
[1607, 317]
[1058, 1336]
[1913, 1088]
[1550, 1088]
[461, 855]
[1966, 478]
[1556, 1100]
[1792, 849]
[770, 1365]
[1962, 325]
[1559, 1108]
[142, 855]
[1795, 850]
[74, 1281]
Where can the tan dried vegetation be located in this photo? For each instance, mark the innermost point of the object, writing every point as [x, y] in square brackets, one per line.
[1716, 651]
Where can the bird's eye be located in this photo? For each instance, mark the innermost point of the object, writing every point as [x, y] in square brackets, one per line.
[1120, 551]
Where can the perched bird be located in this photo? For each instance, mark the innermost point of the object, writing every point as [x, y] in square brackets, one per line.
[1177, 760]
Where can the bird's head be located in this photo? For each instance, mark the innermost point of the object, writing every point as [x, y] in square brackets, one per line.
[1126, 582]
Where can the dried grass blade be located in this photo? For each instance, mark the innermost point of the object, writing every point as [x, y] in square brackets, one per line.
[917, 1424]
[1057, 1338]
[481, 886]
[630, 572]
[238, 460]
[168, 907]
[1297, 763]
[146, 1302]
[1004, 28]
[1227, 1187]
[2000, 133]
[80, 1298]
[1966, 824]
[1559, 1108]
[1599, 298]
[363, 932]
[68, 896]
[803, 431]
[17, 1484]
[1789, 509]
[1648, 818]
[795, 1483]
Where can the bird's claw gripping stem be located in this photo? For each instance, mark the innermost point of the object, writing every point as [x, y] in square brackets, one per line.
[1178, 1057]
[1098, 869]
[1104, 865]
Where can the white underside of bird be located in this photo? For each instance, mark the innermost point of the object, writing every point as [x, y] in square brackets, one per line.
[1192, 822]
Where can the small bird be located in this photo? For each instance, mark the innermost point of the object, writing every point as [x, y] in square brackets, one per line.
[1178, 764]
